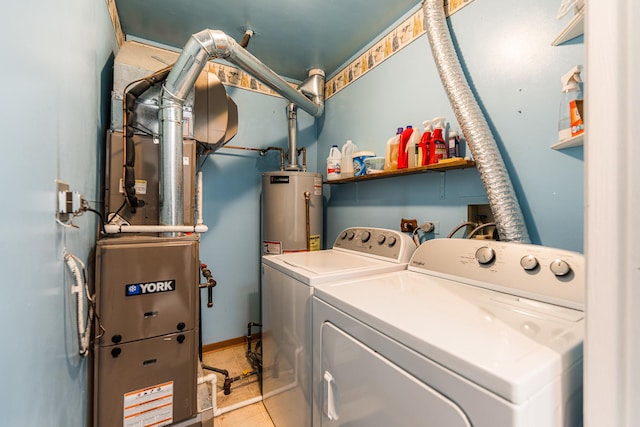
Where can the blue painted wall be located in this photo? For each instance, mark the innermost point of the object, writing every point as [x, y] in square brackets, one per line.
[56, 76]
[54, 127]
[505, 49]
[232, 190]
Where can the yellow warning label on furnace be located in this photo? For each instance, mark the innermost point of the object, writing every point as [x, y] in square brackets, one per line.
[314, 242]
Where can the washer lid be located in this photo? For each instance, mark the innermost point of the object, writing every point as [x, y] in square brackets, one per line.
[506, 344]
[329, 265]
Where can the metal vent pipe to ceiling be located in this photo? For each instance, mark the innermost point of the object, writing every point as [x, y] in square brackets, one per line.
[199, 49]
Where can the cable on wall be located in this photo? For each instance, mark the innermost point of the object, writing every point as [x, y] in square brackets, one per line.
[80, 289]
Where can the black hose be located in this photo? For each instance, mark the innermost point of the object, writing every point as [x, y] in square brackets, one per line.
[254, 355]
[130, 94]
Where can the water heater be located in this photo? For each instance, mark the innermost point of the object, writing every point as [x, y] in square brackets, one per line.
[292, 212]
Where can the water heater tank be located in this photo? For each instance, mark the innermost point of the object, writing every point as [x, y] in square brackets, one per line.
[292, 212]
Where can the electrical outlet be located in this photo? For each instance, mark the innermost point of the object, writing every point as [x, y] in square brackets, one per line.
[408, 225]
[69, 202]
[61, 190]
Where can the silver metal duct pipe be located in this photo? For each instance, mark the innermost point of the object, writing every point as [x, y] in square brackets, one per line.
[313, 87]
[171, 196]
[292, 120]
[502, 198]
[199, 49]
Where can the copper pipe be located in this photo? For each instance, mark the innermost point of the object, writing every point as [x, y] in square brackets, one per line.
[307, 196]
[264, 151]
[235, 147]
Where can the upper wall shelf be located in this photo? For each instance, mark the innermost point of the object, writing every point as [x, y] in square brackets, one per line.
[574, 28]
[448, 164]
[575, 141]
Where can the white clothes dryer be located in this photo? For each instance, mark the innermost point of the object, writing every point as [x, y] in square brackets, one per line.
[288, 281]
[473, 333]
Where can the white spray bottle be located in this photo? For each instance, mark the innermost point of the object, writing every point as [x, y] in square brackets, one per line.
[570, 94]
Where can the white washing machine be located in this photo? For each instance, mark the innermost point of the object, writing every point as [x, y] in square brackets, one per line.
[288, 281]
[473, 333]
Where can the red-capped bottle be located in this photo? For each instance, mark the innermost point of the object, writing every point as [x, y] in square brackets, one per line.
[425, 142]
[403, 157]
[438, 146]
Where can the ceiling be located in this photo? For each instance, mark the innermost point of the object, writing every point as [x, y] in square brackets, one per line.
[291, 36]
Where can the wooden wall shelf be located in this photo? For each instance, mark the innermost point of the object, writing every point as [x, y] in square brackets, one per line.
[449, 164]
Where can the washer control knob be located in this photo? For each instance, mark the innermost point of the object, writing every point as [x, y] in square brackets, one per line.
[366, 235]
[485, 255]
[391, 241]
[529, 262]
[351, 235]
[560, 267]
[343, 235]
[381, 239]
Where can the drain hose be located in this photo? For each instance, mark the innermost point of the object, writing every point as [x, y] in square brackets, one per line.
[493, 173]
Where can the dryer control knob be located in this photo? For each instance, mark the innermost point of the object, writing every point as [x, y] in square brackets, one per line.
[529, 262]
[343, 235]
[560, 267]
[351, 235]
[485, 255]
[392, 241]
[381, 239]
[366, 235]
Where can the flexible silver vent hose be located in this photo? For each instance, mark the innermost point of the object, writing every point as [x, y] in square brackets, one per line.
[493, 173]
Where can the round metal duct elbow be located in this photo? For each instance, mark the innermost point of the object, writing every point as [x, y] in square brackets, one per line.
[493, 173]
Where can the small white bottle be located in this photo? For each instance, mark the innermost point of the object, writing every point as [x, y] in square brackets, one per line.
[412, 148]
[347, 159]
[334, 164]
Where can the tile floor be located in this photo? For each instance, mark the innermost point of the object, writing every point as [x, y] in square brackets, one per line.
[234, 360]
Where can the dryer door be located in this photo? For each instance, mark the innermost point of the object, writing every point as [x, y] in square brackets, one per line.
[362, 388]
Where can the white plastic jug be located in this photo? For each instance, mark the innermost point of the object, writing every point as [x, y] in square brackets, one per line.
[347, 158]
[334, 162]
[391, 154]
